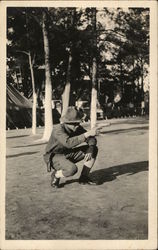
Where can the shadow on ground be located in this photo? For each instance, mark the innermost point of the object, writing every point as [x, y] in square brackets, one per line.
[104, 175]
[30, 145]
[125, 130]
[138, 121]
[131, 121]
[109, 174]
[18, 136]
[21, 154]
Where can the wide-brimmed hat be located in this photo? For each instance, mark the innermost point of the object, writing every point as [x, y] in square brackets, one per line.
[73, 115]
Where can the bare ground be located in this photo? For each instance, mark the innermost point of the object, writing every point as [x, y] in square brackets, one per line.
[117, 208]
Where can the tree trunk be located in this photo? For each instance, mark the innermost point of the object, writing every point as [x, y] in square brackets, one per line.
[48, 86]
[121, 76]
[94, 94]
[133, 81]
[142, 80]
[66, 93]
[93, 110]
[34, 96]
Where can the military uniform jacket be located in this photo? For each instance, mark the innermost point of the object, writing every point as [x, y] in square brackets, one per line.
[62, 140]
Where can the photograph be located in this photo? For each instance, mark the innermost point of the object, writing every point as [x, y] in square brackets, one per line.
[79, 118]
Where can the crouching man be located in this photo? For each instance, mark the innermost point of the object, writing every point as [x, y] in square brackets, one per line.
[64, 149]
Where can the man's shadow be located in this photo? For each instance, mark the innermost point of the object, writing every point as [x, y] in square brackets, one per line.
[109, 174]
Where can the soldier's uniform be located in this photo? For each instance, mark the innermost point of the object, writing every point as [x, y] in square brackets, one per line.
[67, 147]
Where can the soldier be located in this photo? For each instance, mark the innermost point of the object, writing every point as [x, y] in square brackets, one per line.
[64, 149]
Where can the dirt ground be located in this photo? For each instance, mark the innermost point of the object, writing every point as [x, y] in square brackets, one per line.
[117, 208]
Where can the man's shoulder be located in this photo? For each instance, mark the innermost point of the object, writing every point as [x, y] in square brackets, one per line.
[58, 128]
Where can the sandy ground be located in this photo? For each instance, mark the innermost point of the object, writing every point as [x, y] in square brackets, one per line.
[117, 208]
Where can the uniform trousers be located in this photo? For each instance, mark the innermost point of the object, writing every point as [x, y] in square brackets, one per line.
[67, 162]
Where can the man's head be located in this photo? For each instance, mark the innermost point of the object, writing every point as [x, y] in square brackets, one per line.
[72, 118]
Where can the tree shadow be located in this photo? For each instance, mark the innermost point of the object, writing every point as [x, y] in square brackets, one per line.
[18, 136]
[31, 145]
[117, 131]
[131, 121]
[138, 121]
[109, 174]
[103, 175]
[21, 154]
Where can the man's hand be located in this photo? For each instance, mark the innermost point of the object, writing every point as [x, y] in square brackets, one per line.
[102, 125]
[88, 157]
[95, 131]
[91, 132]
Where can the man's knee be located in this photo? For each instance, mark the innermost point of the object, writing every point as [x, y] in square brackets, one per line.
[61, 163]
[70, 170]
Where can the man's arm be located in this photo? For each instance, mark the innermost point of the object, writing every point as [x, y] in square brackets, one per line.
[89, 140]
[70, 142]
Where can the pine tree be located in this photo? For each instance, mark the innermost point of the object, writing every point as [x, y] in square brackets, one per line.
[48, 85]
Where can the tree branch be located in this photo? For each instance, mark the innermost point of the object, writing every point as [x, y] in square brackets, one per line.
[110, 30]
[24, 52]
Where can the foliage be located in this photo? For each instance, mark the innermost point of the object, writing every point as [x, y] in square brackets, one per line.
[122, 47]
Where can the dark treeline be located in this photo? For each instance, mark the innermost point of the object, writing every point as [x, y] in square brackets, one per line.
[119, 43]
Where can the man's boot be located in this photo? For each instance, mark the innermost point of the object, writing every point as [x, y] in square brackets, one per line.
[54, 180]
[84, 179]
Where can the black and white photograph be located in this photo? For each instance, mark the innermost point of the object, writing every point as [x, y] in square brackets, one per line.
[79, 125]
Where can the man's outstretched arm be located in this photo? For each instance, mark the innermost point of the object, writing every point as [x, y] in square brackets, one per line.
[70, 142]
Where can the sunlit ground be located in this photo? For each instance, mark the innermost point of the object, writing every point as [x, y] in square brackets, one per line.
[117, 208]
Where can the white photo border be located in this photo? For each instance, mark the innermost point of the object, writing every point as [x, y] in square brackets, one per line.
[151, 242]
